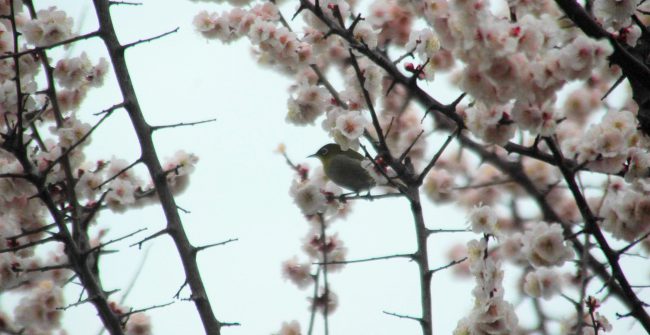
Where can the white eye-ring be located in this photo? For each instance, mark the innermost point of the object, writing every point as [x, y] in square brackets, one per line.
[323, 152]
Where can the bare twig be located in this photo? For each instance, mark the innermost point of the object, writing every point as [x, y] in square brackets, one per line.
[146, 40]
[452, 263]
[182, 124]
[364, 260]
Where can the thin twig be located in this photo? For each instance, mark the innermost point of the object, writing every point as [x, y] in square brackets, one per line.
[146, 40]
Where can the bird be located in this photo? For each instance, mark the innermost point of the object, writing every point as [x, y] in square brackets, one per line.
[343, 167]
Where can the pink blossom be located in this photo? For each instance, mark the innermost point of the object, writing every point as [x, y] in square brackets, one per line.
[542, 282]
[297, 273]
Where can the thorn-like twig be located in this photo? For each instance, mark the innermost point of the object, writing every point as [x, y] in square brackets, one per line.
[203, 247]
[146, 40]
[364, 260]
[127, 168]
[633, 243]
[182, 124]
[150, 237]
[135, 311]
[178, 293]
[406, 152]
[435, 158]
[402, 316]
[438, 231]
[128, 3]
[611, 89]
[81, 140]
[452, 263]
[51, 46]
[29, 244]
[102, 245]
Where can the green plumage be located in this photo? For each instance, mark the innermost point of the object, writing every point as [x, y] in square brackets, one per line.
[343, 167]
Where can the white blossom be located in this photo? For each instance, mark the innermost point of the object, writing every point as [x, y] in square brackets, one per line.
[483, 220]
[544, 245]
[308, 197]
[50, 27]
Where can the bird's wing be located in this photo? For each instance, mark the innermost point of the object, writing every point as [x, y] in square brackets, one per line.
[348, 172]
[356, 154]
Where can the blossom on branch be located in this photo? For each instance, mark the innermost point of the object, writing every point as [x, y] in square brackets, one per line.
[51, 26]
[544, 245]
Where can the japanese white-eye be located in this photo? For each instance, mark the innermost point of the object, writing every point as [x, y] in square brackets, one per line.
[343, 167]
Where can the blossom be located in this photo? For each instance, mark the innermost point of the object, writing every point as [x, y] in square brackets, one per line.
[639, 165]
[475, 251]
[119, 167]
[6, 5]
[540, 173]
[510, 248]
[588, 324]
[50, 27]
[490, 124]
[345, 127]
[297, 273]
[626, 213]
[70, 100]
[71, 132]
[483, 220]
[329, 300]
[290, 328]
[308, 197]
[372, 76]
[351, 124]
[6, 38]
[631, 34]
[364, 33]
[72, 73]
[438, 185]
[534, 118]
[605, 145]
[615, 13]
[580, 103]
[544, 245]
[332, 246]
[122, 193]
[393, 20]
[542, 282]
[424, 43]
[40, 310]
[138, 324]
[578, 58]
[308, 104]
[491, 314]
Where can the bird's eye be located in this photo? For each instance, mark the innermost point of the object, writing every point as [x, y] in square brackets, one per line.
[323, 151]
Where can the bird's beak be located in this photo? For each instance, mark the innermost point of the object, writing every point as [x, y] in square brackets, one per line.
[310, 156]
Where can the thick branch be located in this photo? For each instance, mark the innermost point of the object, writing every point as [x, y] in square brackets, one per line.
[150, 158]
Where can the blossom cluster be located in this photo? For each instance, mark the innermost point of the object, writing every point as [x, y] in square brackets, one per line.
[318, 199]
[491, 313]
[51, 26]
[261, 25]
[513, 69]
[626, 211]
